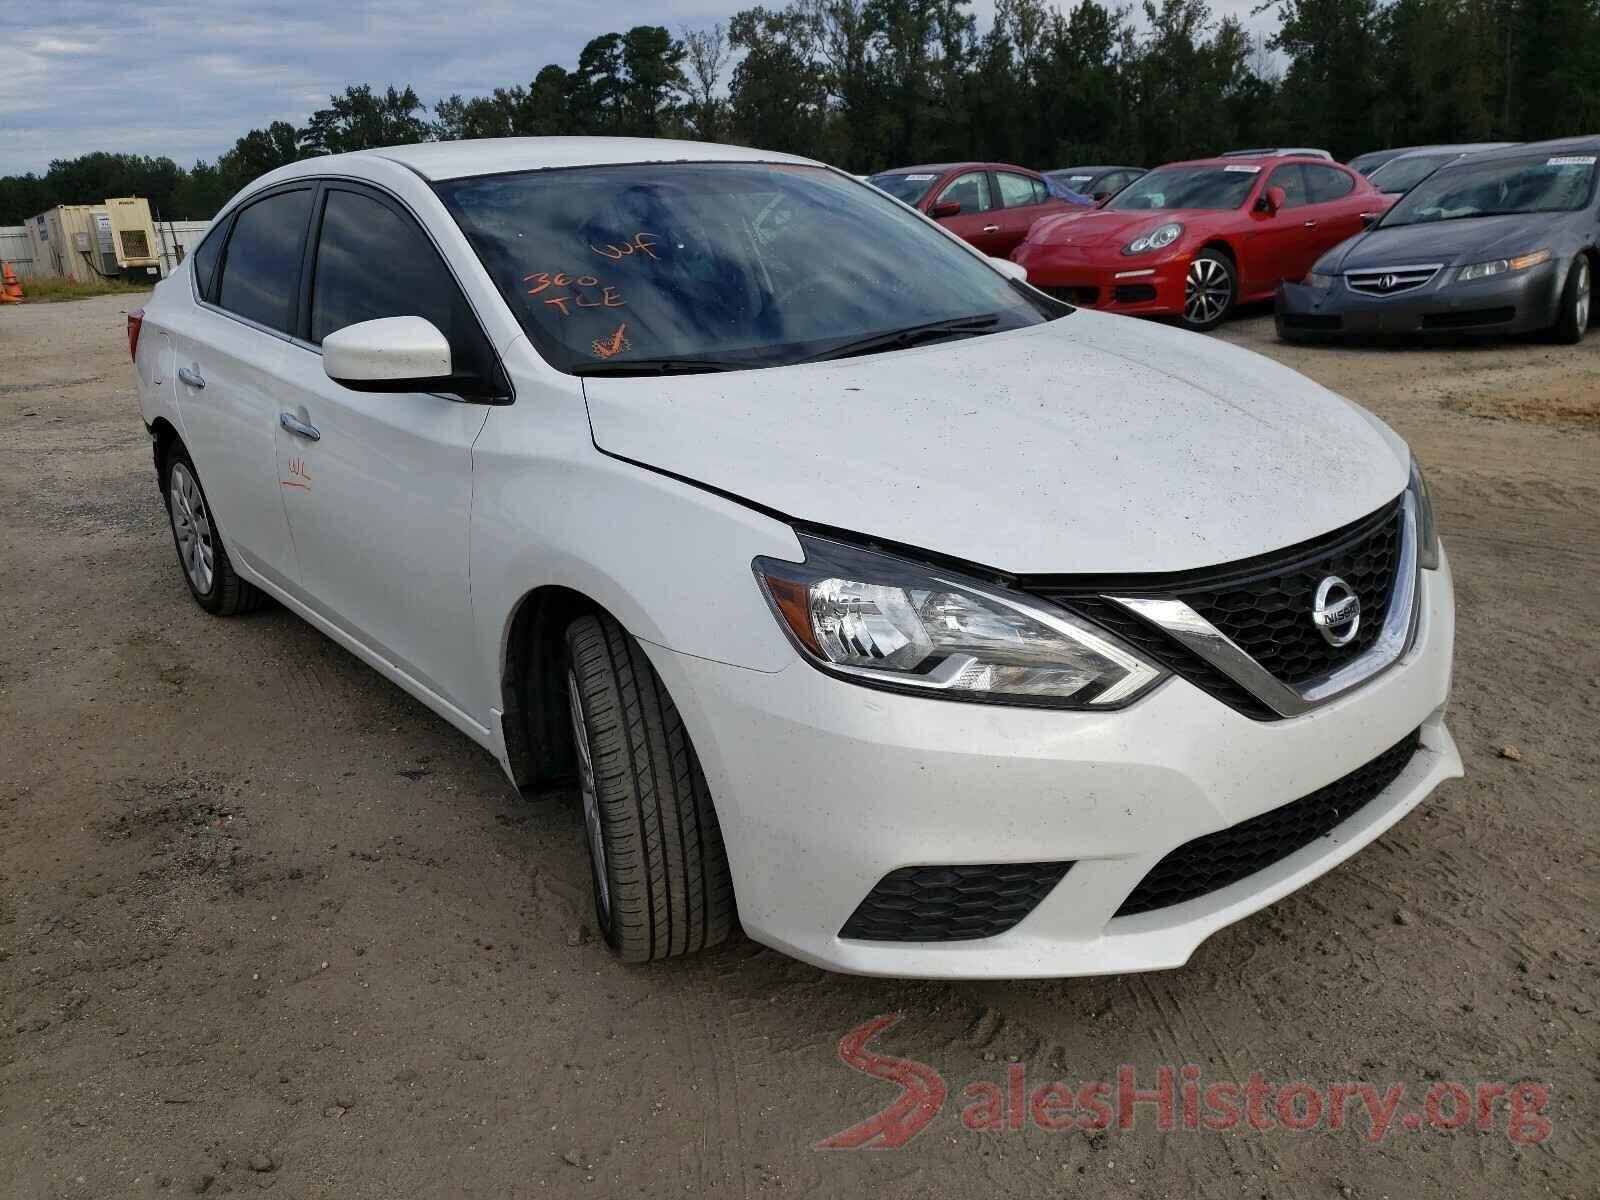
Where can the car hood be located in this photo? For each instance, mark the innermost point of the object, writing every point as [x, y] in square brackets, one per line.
[1447, 242]
[1089, 444]
[1090, 230]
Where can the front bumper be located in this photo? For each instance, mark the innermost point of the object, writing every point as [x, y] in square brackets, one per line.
[823, 787]
[1520, 302]
[1133, 284]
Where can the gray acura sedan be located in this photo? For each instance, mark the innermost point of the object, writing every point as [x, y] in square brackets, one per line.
[1502, 242]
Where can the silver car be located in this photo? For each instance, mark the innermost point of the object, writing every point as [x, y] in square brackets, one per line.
[1502, 242]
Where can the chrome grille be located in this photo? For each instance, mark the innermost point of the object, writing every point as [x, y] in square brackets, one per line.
[1243, 631]
[1390, 281]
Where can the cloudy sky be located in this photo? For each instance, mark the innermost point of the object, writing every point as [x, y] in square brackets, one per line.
[185, 78]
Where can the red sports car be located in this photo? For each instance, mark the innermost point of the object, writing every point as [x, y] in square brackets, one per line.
[1193, 239]
[991, 205]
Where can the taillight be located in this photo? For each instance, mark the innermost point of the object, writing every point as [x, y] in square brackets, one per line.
[135, 322]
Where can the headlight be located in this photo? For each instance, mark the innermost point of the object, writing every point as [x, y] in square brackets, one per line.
[1321, 282]
[1427, 532]
[1500, 266]
[1158, 238]
[890, 622]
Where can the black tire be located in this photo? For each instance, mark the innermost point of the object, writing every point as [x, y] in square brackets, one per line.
[1204, 305]
[661, 878]
[1574, 312]
[223, 594]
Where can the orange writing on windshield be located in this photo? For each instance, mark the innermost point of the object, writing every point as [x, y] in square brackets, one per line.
[543, 279]
[608, 299]
[637, 245]
[615, 344]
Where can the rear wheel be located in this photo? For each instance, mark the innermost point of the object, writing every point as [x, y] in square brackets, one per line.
[1572, 315]
[1209, 290]
[214, 584]
[661, 881]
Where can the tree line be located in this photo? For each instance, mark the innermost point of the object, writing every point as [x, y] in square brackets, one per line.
[870, 84]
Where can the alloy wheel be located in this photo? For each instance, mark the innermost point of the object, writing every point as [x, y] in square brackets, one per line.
[1207, 291]
[192, 528]
[591, 797]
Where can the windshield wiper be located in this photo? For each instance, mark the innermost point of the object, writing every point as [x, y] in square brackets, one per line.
[661, 366]
[1473, 216]
[899, 339]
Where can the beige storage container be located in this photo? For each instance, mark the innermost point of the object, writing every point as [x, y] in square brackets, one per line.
[66, 241]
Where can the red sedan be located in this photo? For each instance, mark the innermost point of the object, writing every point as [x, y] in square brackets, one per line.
[991, 205]
[1193, 239]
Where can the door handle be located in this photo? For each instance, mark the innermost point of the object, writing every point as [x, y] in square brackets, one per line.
[1311, 224]
[991, 229]
[191, 376]
[298, 427]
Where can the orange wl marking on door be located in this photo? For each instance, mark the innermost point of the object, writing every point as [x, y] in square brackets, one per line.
[302, 477]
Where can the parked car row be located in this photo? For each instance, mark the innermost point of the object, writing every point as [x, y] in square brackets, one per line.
[1193, 240]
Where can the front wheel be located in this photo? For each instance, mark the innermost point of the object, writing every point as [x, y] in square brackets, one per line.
[661, 881]
[1209, 289]
[1572, 315]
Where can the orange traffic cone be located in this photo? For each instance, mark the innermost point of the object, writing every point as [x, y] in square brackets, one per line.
[13, 289]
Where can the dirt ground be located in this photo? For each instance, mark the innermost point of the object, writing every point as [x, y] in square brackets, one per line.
[266, 923]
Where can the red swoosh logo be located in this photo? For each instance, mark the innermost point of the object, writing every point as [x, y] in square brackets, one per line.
[921, 1096]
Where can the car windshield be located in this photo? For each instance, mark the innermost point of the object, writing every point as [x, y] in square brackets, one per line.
[1189, 187]
[721, 265]
[1402, 174]
[1547, 183]
[909, 186]
[1073, 181]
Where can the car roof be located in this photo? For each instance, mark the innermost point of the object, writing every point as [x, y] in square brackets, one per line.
[1264, 161]
[491, 156]
[1450, 148]
[1392, 151]
[1280, 152]
[946, 168]
[1090, 170]
[1587, 144]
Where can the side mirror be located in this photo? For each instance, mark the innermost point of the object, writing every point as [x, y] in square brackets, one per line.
[1369, 219]
[1010, 269]
[392, 354]
[946, 208]
[1272, 200]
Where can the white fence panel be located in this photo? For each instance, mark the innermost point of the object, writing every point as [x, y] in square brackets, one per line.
[16, 249]
[178, 240]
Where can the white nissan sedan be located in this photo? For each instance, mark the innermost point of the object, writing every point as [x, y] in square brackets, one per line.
[919, 623]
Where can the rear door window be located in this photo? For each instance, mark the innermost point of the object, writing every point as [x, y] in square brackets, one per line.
[261, 266]
[204, 260]
[1019, 191]
[1327, 183]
